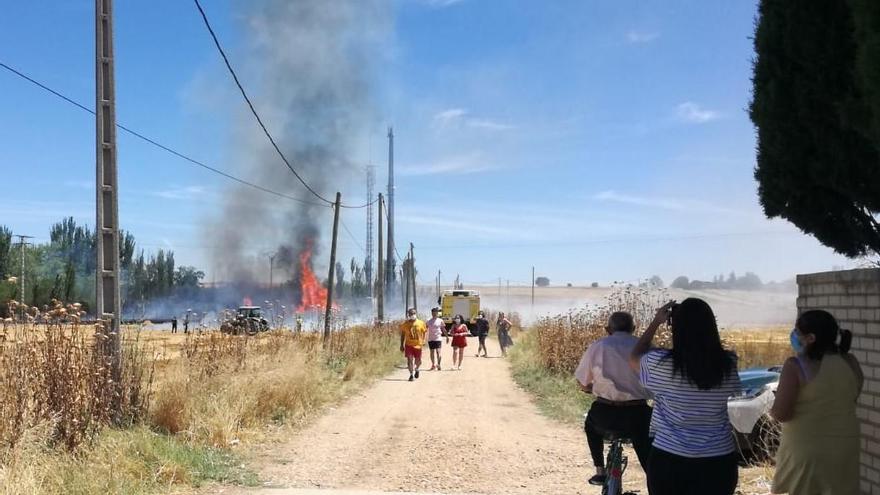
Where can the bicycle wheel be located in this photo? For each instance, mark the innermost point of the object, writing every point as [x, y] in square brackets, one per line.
[615, 466]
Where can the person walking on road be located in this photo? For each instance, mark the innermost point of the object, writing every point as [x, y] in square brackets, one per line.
[816, 403]
[503, 328]
[435, 337]
[482, 325]
[693, 452]
[621, 405]
[459, 333]
[174, 325]
[412, 338]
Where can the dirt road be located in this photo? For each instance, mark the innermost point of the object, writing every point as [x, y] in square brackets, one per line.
[468, 431]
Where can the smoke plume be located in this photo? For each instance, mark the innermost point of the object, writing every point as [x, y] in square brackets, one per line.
[309, 66]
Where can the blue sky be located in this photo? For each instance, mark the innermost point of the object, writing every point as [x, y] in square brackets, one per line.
[595, 140]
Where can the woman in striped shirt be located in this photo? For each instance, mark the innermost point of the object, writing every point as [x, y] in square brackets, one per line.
[693, 450]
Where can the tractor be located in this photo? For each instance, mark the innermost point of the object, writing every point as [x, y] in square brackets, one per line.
[248, 320]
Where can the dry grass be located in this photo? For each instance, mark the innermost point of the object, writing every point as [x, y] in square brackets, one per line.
[56, 378]
[562, 339]
[759, 347]
[225, 388]
[209, 391]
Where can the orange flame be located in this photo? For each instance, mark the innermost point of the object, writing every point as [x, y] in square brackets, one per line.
[313, 294]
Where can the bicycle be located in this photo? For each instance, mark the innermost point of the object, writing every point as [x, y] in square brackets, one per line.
[615, 466]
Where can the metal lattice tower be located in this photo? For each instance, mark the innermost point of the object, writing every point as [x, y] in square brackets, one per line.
[390, 265]
[107, 212]
[368, 257]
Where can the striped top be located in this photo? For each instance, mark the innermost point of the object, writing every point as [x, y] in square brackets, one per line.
[687, 421]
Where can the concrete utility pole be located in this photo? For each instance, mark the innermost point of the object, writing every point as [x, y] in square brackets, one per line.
[331, 278]
[22, 242]
[380, 279]
[412, 274]
[107, 193]
[407, 269]
[389, 258]
[368, 258]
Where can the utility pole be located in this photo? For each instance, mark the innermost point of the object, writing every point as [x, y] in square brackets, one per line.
[107, 295]
[404, 279]
[412, 274]
[407, 270]
[438, 286]
[271, 268]
[533, 289]
[508, 296]
[22, 242]
[389, 259]
[380, 279]
[331, 278]
[368, 258]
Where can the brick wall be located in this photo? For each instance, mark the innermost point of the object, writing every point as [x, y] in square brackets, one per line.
[853, 297]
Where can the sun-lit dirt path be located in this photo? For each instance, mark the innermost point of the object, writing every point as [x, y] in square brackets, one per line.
[468, 431]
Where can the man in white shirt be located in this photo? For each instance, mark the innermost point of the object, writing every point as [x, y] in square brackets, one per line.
[621, 405]
[435, 336]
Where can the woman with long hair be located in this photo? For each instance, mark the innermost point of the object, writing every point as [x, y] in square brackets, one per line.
[693, 451]
[816, 403]
[503, 327]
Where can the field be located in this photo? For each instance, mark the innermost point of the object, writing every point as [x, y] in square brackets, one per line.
[189, 403]
[190, 408]
[734, 309]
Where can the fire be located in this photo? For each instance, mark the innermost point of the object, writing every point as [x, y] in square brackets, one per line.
[314, 295]
[247, 301]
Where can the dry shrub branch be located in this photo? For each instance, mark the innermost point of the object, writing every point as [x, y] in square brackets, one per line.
[55, 376]
[562, 339]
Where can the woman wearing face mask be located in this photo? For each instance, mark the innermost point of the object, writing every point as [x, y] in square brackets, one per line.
[816, 403]
[459, 340]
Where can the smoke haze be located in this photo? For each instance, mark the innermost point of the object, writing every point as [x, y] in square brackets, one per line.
[310, 65]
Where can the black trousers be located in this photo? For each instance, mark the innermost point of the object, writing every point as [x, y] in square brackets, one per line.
[633, 422]
[670, 474]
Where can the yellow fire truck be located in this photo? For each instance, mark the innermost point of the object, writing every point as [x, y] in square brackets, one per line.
[459, 302]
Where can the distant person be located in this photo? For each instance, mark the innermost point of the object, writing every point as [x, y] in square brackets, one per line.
[816, 403]
[621, 404]
[503, 326]
[693, 452]
[436, 326]
[412, 338]
[459, 334]
[174, 325]
[186, 322]
[482, 331]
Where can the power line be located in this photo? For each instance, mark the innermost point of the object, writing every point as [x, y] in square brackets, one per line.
[353, 238]
[257, 115]
[156, 143]
[251, 105]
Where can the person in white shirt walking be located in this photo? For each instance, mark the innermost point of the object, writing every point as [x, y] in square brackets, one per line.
[621, 405]
[435, 337]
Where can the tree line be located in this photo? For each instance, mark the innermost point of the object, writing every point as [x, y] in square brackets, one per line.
[64, 269]
[749, 281]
